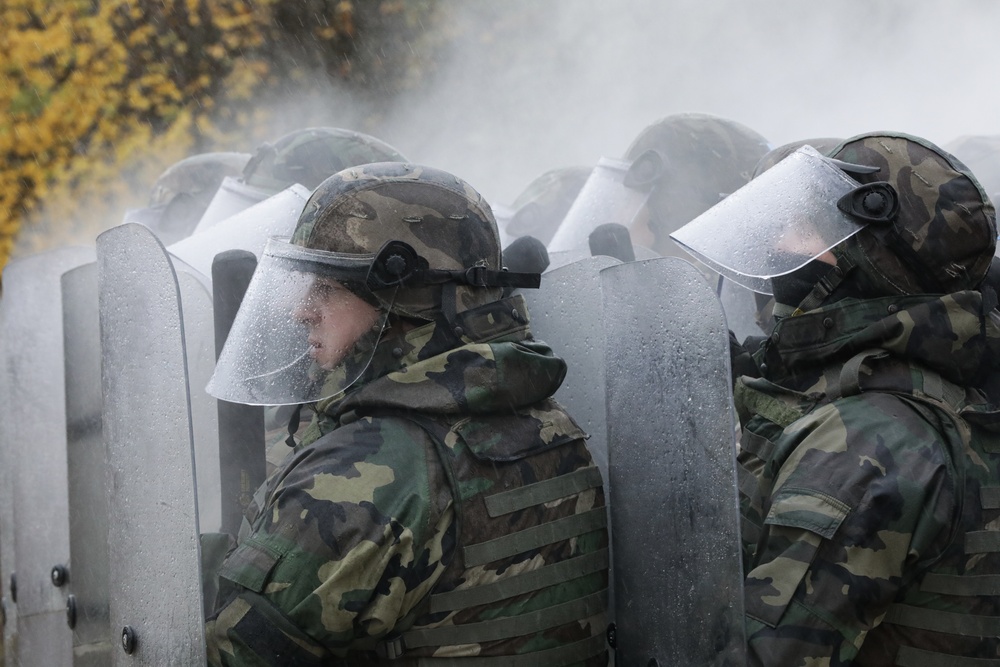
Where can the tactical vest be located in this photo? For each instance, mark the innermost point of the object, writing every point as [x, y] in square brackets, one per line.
[949, 616]
[531, 550]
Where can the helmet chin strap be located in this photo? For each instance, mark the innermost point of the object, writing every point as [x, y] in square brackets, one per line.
[825, 286]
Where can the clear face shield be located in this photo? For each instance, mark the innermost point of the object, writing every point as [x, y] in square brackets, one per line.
[616, 191]
[307, 329]
[786, 217]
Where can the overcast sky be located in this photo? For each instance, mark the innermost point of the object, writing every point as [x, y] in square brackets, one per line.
[591, 74]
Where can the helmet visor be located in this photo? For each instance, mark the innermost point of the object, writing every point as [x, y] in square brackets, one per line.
[774, 224]
[307, 329]
[604, 198]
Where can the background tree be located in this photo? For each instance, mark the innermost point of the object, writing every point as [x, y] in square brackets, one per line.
[102, 95]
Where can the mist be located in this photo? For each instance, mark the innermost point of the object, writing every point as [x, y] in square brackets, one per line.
[589, 75]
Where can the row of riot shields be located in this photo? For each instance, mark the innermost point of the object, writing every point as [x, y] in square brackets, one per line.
[649, 378]
[110, 455]
[110, 447]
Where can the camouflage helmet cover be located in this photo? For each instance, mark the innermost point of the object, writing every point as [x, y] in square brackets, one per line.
[981, 153]
[447, 222]
[822, 144]
[196, 175]
[706, 158]
[308, 156]
[944, 236]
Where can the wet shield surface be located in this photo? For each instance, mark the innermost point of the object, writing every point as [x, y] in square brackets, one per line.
[87, 600]
[154, 582]
[566, 313]
[33, 440]
[671, 446]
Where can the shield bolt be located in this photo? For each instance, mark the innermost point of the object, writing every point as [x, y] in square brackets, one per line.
[13, 587]
[71, 611]
[129, 640]
[612, 635]
[60, 575]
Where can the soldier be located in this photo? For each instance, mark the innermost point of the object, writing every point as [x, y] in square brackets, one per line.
[870, 470]
[675, 169]
[440, 507]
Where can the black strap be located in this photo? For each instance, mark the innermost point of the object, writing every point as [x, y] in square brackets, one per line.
[476, 276]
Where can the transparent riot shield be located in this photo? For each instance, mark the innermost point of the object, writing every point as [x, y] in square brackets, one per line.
[247, 229]
[566, 313]
[199, 337]
[33, 442]
[87, 599]
[232, 197]
[8, 584]
[671, 446]
[154, 579]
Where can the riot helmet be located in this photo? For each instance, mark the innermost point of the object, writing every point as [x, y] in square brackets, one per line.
[181, 194]
[889, 214]
[675, 169]
[944, 236]
[376, 247]
[543, 204]
[981, 153]
[311, 155]
[706, 158]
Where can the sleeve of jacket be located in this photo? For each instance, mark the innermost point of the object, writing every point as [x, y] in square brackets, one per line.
[865, 498]
[355, 531]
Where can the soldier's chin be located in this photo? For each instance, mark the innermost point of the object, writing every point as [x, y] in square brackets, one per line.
[326, 358]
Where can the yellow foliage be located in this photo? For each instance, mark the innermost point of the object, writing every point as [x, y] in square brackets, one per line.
[98, 98]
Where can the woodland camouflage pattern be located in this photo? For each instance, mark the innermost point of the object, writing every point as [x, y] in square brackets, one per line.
[443, 218]
[944, 236]
[368, 515]
[870, 486]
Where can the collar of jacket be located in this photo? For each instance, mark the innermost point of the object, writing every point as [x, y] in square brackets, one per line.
[949, 334]
[484, 362]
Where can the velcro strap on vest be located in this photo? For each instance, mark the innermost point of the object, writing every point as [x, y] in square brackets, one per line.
[850, 374]
[543, 577]
[513, 626]
[933, 620]
[957, 584]
[535, 537]
[914, 657]
[989, 497]
[982, 542]
[543, 492]
[554, 657]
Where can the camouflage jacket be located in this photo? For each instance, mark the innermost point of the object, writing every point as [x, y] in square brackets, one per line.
[446, 510]
[870, 486]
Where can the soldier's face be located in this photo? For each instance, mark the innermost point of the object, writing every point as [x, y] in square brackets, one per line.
[336, 319]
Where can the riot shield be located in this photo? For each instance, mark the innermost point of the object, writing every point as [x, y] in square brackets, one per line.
[154, 579]
[8, 609]
[33, 442]
[672, 458]
[247, 230]
[232, 197]
[566, 313]
[87, 600]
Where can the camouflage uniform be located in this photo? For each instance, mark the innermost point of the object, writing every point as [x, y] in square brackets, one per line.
[444, 511]
[869, 467]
